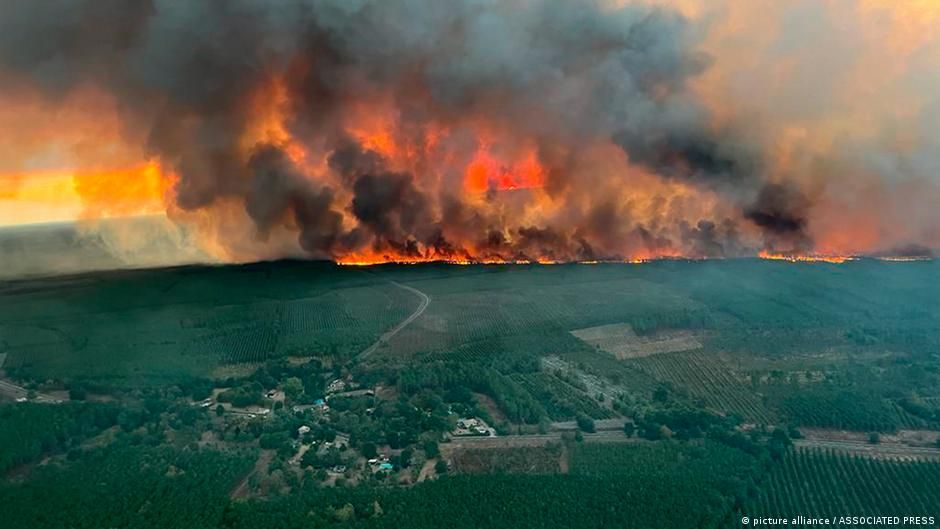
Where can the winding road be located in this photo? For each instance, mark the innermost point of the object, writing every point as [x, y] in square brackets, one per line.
[425, 301]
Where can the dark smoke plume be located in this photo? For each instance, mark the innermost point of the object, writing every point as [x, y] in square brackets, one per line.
[564, 75]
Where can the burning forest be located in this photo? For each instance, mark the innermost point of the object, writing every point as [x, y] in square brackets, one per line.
[480, 131]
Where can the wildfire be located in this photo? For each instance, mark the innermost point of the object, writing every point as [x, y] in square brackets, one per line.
[519, 138]
[807, 258]
[374, 261]
[86, 194]
[488, 172]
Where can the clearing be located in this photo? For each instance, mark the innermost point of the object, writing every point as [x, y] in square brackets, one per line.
[620, 340]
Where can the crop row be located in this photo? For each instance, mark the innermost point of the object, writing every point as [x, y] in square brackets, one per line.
[707, 378]
[828, 484]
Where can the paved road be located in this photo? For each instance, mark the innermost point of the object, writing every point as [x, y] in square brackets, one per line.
[425, 301]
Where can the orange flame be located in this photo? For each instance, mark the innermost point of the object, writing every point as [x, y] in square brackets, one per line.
[487, 172]
[807, 258]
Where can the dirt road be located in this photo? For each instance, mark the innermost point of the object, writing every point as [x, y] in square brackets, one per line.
[13, 392]
[881, 450]
[425, 301]
[241, 490]
[509, 441]
[427, 471]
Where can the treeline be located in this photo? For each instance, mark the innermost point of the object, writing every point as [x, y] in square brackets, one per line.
[127, 486]
[649, 323]
[443, 377]
[663, 485]
[29, 430]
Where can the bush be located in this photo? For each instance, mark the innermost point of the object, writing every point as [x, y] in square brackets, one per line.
[431, 449]
[629, 428]
[585, 423]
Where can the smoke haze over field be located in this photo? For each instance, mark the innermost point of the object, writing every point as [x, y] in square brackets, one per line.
[368, 130]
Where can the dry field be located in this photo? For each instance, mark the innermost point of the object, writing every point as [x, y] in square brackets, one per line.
[623, 343]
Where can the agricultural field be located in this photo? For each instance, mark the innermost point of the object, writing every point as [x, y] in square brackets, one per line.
[701, 480]
[831, 484]
[732, 336]
[709, 381]
[516, 460]
[622, 342]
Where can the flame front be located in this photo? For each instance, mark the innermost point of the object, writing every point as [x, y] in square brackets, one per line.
[806, 258]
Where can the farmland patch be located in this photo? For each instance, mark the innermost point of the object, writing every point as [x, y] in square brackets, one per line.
[620, 340]
[519, 459]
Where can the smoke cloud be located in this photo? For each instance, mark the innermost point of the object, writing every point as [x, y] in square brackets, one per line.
[503, 130]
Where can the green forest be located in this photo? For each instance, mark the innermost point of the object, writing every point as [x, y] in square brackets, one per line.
[277, 395]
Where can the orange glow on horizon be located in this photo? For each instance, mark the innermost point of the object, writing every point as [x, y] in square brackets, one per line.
[68, 195]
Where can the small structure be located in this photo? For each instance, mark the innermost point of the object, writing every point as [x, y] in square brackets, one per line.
[336, 386]
[303, 430]
[381, 463]
[341, 440]
[473, 426]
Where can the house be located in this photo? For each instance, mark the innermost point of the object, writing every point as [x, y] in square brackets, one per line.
[336, 386]
[473, 426]
[341, 440]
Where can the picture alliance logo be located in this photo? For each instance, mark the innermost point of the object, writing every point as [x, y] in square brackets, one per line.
[845, 521]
